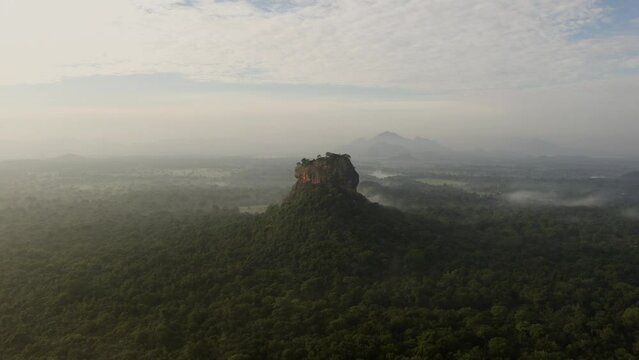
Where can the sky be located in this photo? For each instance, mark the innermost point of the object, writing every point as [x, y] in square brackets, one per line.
[88, 76]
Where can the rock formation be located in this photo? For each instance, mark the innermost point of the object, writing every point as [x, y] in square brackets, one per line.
[330, 170]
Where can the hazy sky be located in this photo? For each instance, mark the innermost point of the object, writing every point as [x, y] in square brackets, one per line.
[320, 72]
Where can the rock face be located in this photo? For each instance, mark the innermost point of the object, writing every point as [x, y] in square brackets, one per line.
[331, 170]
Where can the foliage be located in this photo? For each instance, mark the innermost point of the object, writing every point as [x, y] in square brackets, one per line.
[326, 274]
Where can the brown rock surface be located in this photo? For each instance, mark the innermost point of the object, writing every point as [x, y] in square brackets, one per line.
[332, 170]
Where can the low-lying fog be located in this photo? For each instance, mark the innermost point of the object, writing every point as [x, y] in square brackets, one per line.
[531, 197]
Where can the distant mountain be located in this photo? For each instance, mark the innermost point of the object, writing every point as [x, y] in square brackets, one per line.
[391, 145]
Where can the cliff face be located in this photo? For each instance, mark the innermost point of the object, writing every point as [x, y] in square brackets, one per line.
[331, 170]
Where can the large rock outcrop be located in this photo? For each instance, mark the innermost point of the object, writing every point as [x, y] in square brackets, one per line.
[331, 170]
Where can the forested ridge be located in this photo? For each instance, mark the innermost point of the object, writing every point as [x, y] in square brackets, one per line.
[324, 275]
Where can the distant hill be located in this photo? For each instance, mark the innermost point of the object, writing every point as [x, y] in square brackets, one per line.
[391, 145]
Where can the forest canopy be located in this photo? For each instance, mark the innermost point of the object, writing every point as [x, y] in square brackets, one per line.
[173, 272]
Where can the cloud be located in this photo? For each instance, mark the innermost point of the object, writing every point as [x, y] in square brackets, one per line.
[426, 45]
[530, 197]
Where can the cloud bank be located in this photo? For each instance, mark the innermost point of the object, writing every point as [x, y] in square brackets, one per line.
[429, 46]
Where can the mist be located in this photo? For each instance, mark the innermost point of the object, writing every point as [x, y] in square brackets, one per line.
[130, 116]
[527, 197]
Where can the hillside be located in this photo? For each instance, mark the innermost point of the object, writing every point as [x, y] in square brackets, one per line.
[325, 274]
